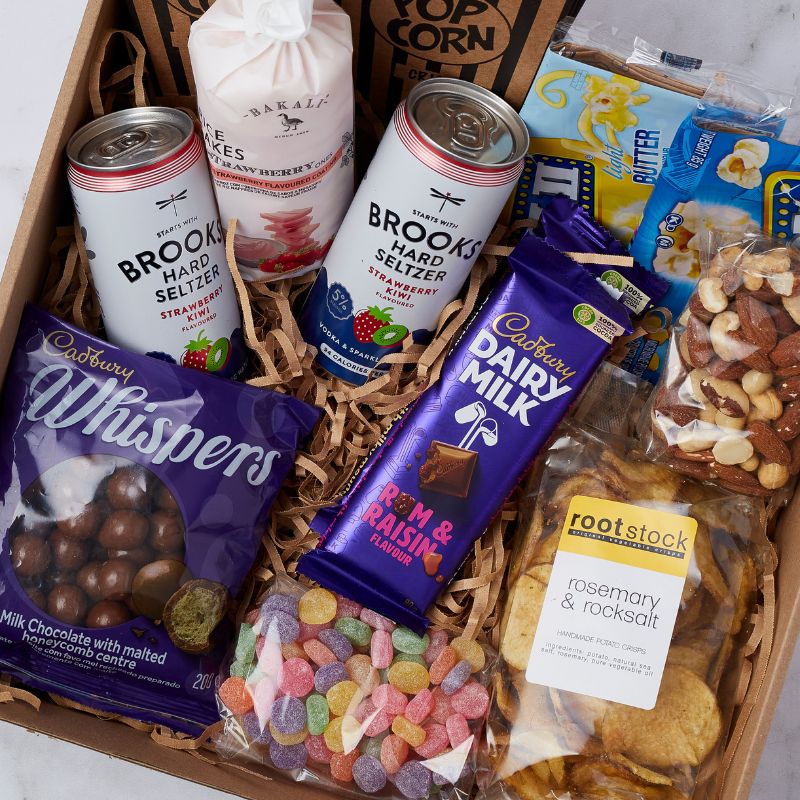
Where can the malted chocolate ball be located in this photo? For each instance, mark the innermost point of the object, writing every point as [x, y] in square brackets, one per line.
[166, 532]
[139, 555]
[67, 604]
[124, 530]
[30, 555]
[59, 577]
[128, 488]
[165, 499]
[88, 579]
[154, 584]
[83, 524]
[107, 614]
[37, 597]
[32, 523]
[68, 553]
[115, 578]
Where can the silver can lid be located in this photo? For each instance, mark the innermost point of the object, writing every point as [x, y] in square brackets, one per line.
[134, 137]
[467, 122]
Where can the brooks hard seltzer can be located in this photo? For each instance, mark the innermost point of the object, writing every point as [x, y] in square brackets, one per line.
[154, 240]
[439, 180]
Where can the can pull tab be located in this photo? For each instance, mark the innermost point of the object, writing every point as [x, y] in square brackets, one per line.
[124, 144]
[471, 126]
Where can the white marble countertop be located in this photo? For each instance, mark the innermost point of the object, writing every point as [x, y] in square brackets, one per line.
[762, 36]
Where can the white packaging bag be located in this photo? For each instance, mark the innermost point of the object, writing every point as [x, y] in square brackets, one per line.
[275, 95]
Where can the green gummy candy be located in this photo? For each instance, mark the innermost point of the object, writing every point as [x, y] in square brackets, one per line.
[246, 644]
[412, 657]
[241, 670]
[372, 747]
[317, 715]
[406, 641]
[356, 631]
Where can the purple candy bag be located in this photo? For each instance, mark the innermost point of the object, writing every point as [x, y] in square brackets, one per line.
[133, 493]
[401, 532]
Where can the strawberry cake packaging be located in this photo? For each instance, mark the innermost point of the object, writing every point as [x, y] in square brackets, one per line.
[275, 96]
[133, 496]
[423, 497]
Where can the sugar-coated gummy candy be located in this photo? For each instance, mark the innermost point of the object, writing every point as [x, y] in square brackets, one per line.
[359, 668]
[371, 745]
[419, 707]
[469, 650]
[373, 720]
[408, 677]
[406, 641]
[337, 643]
[369, 774]
[319, 653]
[292, 756]
[413, 780]
[390, 699]
[288, 715]
[408, 731]
[263, 698]
[411, 658]
[329, 675]
[317, 749]
[342, 766]
[376, 620]
[240, 670]
[340, 697]
[317, 714]
[457, 677]
[235, 695]
[293, 650]
[251, 617]
[442, 708]
[471, 700]
[246, 644]
[394, 753]
[333, 735]
[357, 632]
[317, 606]
[443, 663]
[307, 631]
[345, 607]
[288, 739]
[297, 678]
[254, 730]
[280, 602]
[278, 626]
[438, 641]
[380, 649]
[436, 740]
[457, 729]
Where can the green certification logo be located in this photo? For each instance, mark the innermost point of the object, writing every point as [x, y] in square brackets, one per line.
[613, 278]
[584, 315]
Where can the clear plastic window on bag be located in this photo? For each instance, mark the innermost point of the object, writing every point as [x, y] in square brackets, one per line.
[633, 590]
[327, 691]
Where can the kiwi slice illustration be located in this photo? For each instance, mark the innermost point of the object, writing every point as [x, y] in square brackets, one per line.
[219, 355]
[389, 335]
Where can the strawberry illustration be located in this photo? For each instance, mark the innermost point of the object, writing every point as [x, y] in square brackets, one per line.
[369, 320]
[196, 354]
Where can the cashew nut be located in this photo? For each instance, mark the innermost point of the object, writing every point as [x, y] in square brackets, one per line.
[751, 465]
[732, 450]
[752, 282]
[767, 405]
[773, 476]
[711, 295]
[782, 284]
[755, 382]
[727, 347]
[772, 262]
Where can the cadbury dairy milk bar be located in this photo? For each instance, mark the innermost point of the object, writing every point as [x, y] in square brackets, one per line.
[429, 491]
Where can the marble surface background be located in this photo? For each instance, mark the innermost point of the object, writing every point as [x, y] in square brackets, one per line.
[35, 42]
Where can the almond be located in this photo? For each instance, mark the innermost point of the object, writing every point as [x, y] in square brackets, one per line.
[698, 343]
[681, 415]
[787, 426]
[731, 279]
[788, 372]
[727, 370]
[756, 490]
[784, 323]
[766, 294]
[788, 389]
[756, 321]
[760, 360]
[794, 449]
[702, 456]
[787, 352]
[768, 443]
[699, 310]
[694, 469]
[735, 476]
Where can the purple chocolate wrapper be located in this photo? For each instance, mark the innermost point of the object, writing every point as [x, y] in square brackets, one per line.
[567, 227]
[401, 532]
[219, 450]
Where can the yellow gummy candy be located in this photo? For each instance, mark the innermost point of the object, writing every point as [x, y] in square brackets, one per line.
[317, 606]
[343, 697]
[469, 650]
[409, 677]
[288, 738]
[333, 735]
[408, 731]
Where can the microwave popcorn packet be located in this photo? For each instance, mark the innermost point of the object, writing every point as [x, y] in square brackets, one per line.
[133, 497]
[423, 497]
[631, 593]
[324, 689]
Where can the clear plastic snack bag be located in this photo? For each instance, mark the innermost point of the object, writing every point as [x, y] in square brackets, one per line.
[327, 691]
[632, 590]
[727, 407]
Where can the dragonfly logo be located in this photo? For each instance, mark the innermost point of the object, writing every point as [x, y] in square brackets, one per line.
[171, 201]
[446, 197]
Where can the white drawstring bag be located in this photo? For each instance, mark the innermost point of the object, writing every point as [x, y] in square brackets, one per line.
[275, 95]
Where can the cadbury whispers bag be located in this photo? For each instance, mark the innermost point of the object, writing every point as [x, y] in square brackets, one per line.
[133, 497]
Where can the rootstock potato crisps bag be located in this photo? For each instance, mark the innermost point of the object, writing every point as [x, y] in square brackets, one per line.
[134, 494]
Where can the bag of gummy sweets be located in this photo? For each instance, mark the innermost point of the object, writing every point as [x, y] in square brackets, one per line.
[327, 690]
[134, 494]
